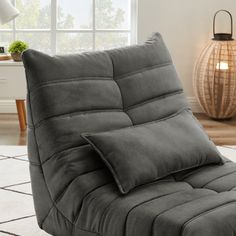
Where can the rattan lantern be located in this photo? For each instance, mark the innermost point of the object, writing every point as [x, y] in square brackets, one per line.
[215, 75]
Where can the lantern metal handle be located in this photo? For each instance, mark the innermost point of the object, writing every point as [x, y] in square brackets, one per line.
[223, 36]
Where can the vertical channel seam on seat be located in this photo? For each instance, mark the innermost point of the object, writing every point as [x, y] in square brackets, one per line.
[146, 201]
[161, 213]
[103, 213]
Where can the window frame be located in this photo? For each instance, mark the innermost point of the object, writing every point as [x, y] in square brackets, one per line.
[54, 30]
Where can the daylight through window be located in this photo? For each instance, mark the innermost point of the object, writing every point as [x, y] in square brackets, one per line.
[70, 26]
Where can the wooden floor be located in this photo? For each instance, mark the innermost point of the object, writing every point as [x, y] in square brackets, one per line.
[222, 133]
[10, 132]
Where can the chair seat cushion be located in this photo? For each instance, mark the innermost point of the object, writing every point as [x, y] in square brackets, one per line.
[167, 207]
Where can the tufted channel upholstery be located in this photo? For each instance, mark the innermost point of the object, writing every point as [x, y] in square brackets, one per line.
[74, 193]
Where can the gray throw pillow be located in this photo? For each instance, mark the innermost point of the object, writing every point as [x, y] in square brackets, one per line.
[142, 154]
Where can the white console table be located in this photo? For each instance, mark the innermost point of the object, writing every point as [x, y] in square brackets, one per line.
[13, 87]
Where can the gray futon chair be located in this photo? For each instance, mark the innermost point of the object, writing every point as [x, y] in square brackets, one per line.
[76, 104]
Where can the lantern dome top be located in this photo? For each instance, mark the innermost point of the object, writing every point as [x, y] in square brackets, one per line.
[223, 36]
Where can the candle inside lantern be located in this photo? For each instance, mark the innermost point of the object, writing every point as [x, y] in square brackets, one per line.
[222, 66]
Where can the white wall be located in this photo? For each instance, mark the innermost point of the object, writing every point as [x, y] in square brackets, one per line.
[186, 26]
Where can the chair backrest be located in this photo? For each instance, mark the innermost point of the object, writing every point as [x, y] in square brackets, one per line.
[98, 91]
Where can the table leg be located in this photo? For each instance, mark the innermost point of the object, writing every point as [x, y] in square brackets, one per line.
[20, 105]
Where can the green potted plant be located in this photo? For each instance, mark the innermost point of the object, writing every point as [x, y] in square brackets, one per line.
[16, 48]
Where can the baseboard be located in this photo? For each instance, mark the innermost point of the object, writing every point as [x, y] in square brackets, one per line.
[7, 106]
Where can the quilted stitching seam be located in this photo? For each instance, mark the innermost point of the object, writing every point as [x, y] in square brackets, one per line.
[161, 213]
[77, 113]
[102, 216]
[50, 210]
[60, 196]
[119, 89]
[78, 215]
[232, 189]
[104, 211]
[55, 207]
[156, 98]
[204, 186]
[169, 63]
[147, 201]
[75, 79]
[186, 176]
[68, 150]
[202, 214]
[156, 121]
[94, 233]
[194, 172]
[34, 163]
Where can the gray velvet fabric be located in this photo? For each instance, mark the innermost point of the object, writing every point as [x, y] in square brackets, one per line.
[144, 153]
[74, 192]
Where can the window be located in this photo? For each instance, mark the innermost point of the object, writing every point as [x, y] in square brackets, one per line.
[68, 26]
